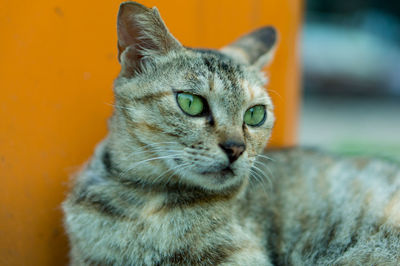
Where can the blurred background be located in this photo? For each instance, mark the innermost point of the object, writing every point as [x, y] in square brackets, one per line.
[351, 77]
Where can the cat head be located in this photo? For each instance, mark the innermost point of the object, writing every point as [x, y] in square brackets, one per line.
[190, 116]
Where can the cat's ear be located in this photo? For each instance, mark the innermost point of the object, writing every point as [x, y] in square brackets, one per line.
[256, 48]
[141, 34]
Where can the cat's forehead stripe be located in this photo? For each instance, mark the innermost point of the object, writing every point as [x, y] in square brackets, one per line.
[211, 83]
[231, 75]
[228, 71]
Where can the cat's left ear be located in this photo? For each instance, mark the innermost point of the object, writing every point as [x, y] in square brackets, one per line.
[256, 48]
[141, 34]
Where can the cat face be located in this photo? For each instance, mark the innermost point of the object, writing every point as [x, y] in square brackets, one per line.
[197, 117]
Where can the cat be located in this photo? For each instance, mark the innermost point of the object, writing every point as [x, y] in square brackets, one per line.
[179, 178]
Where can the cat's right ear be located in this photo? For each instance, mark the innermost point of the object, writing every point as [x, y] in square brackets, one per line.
[142, 34]
[256, 48]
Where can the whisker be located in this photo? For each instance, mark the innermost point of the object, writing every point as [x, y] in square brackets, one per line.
[157, 145]
[259, 179]
[265, 157]
[205, 157]
[265, 166]
[148, 160]
[276, 93]
[154, 147]
[176, 171]
[155, 158]
[154, 150]
[171, 169]
[263, 175]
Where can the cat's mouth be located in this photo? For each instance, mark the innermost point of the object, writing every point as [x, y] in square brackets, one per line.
[225, 171]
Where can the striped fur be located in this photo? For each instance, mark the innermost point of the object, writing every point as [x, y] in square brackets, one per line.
[154, 192]
[333, 211]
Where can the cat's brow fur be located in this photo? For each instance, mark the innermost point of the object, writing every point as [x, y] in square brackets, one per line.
[154, 193]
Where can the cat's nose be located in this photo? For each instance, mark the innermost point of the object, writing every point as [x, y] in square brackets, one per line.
[233, 149]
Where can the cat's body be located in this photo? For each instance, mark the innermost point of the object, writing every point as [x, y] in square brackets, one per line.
[328, 210]
[171, 184]
[319, 209]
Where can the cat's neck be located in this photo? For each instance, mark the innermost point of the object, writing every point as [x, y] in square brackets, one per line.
[173, 193]
[177, 195]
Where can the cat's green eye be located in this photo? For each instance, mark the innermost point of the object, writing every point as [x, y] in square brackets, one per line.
[255, 116]
[191, 104]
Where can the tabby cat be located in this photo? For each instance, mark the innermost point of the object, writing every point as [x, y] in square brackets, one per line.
[179, 178]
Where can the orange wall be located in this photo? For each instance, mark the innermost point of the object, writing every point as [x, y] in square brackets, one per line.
[57, 64]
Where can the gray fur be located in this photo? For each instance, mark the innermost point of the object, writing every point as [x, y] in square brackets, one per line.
[155, 192]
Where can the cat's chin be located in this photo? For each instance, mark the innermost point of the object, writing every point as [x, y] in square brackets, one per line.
[223, 172]
[220, 180]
